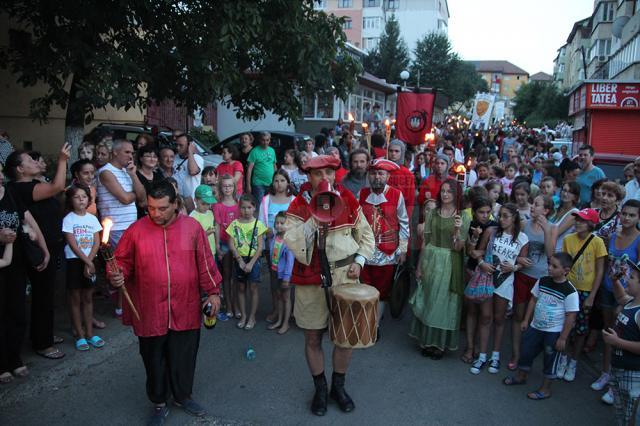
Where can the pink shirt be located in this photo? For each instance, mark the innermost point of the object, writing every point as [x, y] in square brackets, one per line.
[231, 169]
[223, 216]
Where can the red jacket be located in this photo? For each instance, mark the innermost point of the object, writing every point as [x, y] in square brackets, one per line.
[383, 219]
[405, 181]
[165, 269]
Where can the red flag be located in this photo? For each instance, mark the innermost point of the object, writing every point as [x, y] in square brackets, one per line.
[414, 116]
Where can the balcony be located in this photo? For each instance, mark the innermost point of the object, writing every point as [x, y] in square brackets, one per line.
[624, 57]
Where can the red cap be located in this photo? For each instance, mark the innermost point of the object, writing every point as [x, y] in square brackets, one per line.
[383, 164]
[590, 215]
[322, 162]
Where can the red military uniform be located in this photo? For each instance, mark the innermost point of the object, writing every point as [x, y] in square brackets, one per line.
[405, 181]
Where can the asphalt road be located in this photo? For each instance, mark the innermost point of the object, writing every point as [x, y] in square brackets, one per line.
[391, 384]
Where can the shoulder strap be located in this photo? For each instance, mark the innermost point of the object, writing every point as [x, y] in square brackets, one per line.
[582, 249]
[253, 236]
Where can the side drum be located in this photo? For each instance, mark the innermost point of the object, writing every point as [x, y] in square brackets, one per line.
[354, 316]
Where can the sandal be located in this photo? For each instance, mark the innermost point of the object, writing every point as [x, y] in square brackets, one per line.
[512, 366]
[283, 331]
[466, 357]
[57, 340]
[428, 351]
[250, 325]
[437, 355]
[96, 342]
[5, 378]
[274, 326]
[241, 324]
[100, 325]
[82, 345]
[538, 396]
[513, 380]
[21, 371]
[54, 354]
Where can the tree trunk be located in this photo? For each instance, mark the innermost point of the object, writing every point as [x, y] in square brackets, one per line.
[74, 121]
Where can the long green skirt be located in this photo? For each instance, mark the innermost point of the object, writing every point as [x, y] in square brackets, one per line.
[436, 309]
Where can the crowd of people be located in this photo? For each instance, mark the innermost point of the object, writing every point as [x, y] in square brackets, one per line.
[496, 224]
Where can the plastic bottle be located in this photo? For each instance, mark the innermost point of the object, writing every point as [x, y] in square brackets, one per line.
[250, 354]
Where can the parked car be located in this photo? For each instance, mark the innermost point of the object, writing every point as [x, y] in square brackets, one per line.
[613, 164]
[163, 138]
[280, 142]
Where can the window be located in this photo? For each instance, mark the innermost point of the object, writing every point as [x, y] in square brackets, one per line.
[371, 3]
[601, 47]
[394, 4]
[345, 3]
[608, 11]
[370, 43]
[347, 24]
[320, 4]
[319, 106]
[371, 22]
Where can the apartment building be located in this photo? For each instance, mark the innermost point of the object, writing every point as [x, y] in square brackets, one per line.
[365, 19]
[502, 77]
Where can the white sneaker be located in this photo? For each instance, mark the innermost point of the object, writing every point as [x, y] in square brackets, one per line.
[477, 366]
[570, 373]
[494, 366]
[561, 366]
[607, 398]
[601, 383]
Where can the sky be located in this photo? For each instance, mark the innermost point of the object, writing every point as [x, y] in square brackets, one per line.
[526, 33]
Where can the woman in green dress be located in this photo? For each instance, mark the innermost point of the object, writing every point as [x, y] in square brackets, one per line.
[437, 300]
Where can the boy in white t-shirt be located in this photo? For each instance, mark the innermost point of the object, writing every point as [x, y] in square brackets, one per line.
[553, 305]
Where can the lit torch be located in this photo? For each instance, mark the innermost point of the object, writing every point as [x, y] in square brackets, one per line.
[352, 124]
[461, 176]
[112, 265]
[387, 127]
[365, 131]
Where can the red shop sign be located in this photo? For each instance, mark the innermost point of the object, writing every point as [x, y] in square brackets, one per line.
[612, 95]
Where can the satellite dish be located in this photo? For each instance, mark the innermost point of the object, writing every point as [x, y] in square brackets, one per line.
[618, 25]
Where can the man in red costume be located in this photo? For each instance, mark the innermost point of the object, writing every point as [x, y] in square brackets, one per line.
[385, 210]
[431, 186]
[349, 242]
[166, 262]
[402, 178]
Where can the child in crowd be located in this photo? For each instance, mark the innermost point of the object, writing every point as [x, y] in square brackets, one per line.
[510, 173]
[281, 261]
[82, 234]
[494, 188]
[541, 247]
[563, 217]
[309, 148]
[507, 244]
[277, 200]
[477, 312]
[85, 151]
[83, 173]
[553, 306]
[588, 252]
[625, 243]
[210, 178]
[202, 213]
[292, 163]
[548, 187]
[182, 208]
[226, 211]
[624, 337]
[520, 196]
[483, 174]
[246, 243]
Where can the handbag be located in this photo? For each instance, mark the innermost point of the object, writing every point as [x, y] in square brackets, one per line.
[480, 286]
[242, 275]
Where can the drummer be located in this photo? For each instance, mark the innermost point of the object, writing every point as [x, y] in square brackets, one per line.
[349, 242]
[385, 210]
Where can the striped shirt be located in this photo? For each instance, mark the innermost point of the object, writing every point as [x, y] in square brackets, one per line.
[122, 215]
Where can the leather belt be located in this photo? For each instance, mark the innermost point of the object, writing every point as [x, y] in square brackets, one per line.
[343, 262]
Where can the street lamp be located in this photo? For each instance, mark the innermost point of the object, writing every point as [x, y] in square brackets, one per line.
[404, 75]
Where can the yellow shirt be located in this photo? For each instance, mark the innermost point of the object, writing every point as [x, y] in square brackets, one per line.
[583, 272]
[206, 221]
[241, 232]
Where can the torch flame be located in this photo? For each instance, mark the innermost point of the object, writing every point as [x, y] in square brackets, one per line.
[351, 117]
[387, 123]
[107, 224]
[460, 169]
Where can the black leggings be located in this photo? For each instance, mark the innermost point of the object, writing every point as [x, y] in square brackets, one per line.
[13, 322]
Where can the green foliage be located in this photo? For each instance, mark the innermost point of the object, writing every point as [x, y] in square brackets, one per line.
[257, 54]
[540, 102]
[436, 65]
[391, 57]
[208, 138]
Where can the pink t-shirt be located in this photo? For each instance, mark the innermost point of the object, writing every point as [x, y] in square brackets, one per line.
[223, 216]
[231, 169]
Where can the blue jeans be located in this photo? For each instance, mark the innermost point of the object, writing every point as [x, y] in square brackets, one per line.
[535, 341]
[258, 191]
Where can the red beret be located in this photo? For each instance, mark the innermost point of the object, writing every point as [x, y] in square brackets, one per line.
[322, 162]
[383, 164]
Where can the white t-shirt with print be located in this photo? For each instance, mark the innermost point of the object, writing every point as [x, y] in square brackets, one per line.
[504, 249]
[83, 229]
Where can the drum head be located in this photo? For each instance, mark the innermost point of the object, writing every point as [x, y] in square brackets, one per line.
[356, 292]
